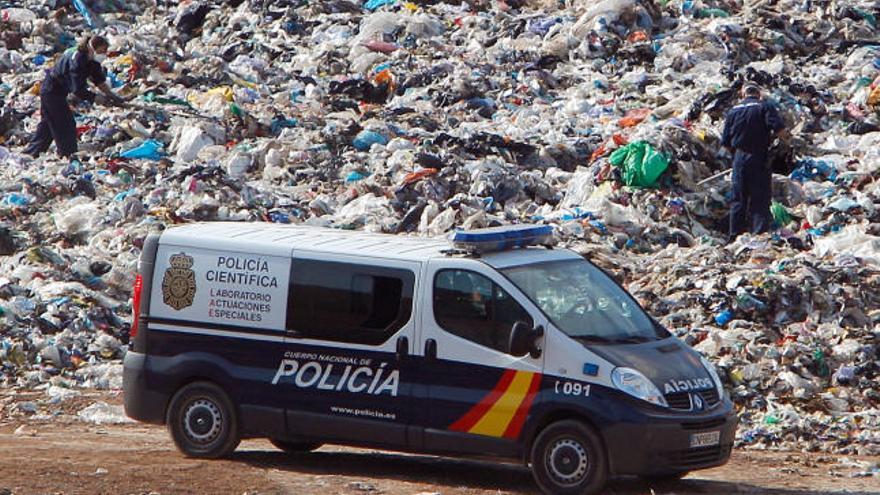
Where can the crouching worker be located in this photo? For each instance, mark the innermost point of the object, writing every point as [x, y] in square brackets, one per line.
[66, 84]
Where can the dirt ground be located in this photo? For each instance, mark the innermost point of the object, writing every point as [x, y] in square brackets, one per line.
[57, 453]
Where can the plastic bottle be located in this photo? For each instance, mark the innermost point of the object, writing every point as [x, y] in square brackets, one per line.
[124, 176]
[821, 364]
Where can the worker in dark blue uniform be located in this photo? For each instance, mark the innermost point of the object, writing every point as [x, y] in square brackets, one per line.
[749, 130]
[66, 84]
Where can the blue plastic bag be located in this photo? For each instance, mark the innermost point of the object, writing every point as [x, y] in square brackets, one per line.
[149, 150]
[86, 13]
[375, 4]
[281, 123]
[15, 199]
[354, 177]
[724, 317]
[809, 169]
[366, 139]
[124, 194]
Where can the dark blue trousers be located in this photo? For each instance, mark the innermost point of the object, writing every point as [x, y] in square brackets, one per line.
[752, 194]
[56, 123]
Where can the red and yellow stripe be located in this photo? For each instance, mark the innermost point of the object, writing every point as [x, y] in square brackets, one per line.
[503, 411]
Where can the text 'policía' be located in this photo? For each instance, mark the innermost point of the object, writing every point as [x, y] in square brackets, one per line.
[354, 379]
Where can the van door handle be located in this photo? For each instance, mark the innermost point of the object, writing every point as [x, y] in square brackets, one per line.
[402, 348]
[431, 349]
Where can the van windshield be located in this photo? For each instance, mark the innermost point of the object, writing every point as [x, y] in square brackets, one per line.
[583, 302]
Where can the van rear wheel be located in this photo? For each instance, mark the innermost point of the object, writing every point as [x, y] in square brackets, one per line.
[568, 458]
[202, 422]
[295, 447]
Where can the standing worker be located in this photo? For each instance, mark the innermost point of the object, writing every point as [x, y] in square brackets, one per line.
[66, 84]
[749, 130]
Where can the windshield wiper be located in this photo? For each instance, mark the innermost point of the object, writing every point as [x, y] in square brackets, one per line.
[593, 338]
[632, 339]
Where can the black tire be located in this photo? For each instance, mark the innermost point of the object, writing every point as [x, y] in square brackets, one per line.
[202, 421]
[295, 447]
[665, 477]
[568, 458]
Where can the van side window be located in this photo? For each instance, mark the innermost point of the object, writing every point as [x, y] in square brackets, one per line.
[343, 302]
[473, 307]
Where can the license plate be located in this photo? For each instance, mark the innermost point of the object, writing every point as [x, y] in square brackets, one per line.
[707, 439]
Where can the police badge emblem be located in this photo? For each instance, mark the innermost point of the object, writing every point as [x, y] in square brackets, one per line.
[179, 282]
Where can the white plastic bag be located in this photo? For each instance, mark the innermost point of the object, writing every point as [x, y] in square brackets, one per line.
[192, 140]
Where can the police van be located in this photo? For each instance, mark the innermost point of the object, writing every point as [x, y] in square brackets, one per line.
[491, 345]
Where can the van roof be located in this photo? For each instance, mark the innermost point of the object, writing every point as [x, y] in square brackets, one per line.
[273, 239]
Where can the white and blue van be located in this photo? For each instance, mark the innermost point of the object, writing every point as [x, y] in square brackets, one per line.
[493, 345]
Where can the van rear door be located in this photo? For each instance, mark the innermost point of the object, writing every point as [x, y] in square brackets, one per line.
[219, 315]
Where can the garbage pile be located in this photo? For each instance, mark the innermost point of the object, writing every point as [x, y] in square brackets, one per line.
[601, 118]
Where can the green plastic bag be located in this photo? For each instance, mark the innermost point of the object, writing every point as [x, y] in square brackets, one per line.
[711, 13]
[152, 97]
[640, 164]
[864, 14]
[780, 215]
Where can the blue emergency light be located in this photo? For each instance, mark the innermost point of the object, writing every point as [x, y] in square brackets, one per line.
[501, 238]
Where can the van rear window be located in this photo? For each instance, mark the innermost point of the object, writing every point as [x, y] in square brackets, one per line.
[344, 302]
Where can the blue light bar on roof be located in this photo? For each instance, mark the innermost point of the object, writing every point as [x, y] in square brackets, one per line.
[501, 238]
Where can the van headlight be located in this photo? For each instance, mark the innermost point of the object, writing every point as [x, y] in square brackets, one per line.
[714, 375]
[634, 383]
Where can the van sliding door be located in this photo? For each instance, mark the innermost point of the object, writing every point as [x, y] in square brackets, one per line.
[346, 371]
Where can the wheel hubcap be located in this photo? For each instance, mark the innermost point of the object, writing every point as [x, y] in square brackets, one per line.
[567, 461]
[202, 421]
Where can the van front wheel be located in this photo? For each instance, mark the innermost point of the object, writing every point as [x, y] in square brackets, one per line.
[202, 421]
[568, 459]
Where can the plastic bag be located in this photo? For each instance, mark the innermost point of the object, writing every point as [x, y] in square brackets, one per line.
[192, 140]
[91, 19]
[852, 240]
[874, 97]
[641, 165]
[75, 216]
[238, 164]
[366, 139]
[375, 4]
[148, 150]
[103, 413]
[634, 117]
[780, 215]
[20, 15]
[610, 10]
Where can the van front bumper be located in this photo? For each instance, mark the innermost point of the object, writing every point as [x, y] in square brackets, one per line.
[141, 403]
[659, 443]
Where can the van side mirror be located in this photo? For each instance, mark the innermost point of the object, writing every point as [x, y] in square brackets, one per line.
[523, 340]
